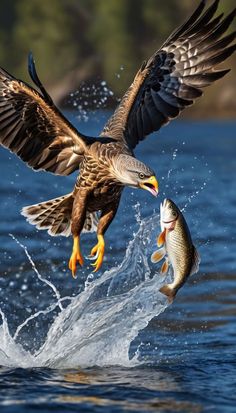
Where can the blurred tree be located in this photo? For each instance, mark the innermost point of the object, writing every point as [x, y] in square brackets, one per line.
[111, 34]
[44, 28]
[7, 21]
[74, 40]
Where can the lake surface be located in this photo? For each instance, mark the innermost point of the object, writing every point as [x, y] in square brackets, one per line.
[111, 342]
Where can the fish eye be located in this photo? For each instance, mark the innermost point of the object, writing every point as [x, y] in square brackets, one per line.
[141, 175]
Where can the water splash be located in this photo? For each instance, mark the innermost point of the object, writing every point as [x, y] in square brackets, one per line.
[44, 280]
[95, 96]
[98, 325]
[11, 353]
[174, 156]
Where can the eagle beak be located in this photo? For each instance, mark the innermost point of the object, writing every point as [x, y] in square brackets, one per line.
[150, 185]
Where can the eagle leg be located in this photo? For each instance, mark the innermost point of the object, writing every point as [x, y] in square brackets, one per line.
[107, 215]
[98, 252]
[76, 256]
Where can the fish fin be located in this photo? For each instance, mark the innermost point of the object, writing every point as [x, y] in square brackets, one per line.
[169, 292]
[196, 261]
[161, 239]
[158, 255]
[165, 266]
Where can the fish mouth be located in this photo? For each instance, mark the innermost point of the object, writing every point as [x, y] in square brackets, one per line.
[170, 225]
[170, 222]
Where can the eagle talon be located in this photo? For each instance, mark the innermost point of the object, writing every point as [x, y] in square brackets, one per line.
[93, 257]
[97, 253]
[94, 253]
[76, 256]
[98, 263]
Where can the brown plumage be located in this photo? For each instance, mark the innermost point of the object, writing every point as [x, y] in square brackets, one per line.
[32, 127]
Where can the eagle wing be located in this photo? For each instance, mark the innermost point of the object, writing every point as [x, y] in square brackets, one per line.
[34, 129]
[174, 76]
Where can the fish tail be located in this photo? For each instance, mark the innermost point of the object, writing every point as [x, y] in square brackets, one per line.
[169, 292]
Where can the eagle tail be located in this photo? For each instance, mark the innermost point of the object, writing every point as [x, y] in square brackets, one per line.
[55, 216]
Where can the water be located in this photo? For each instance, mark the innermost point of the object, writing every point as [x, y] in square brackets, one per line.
[110, 342]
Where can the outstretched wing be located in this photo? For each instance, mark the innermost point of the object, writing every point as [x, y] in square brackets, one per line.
[34, 129]
[174, 76]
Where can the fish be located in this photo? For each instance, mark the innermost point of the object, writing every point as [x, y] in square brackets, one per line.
[176, 247]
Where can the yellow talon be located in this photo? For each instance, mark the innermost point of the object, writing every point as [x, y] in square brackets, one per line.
[100, 249]
[76, 256]
[94, 250]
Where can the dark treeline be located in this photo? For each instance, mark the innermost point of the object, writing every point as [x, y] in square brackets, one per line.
[86, 40]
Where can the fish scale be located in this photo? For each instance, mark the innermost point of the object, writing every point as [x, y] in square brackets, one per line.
[178, 246]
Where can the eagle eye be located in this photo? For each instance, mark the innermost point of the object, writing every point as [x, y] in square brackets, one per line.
[141, 175]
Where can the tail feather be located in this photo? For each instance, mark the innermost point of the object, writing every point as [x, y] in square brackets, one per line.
[55, 216]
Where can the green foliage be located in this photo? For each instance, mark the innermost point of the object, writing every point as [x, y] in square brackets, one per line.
[65, 34]
[44, 27]
[113, 39]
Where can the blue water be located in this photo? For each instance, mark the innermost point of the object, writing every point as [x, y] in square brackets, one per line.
[111, 342]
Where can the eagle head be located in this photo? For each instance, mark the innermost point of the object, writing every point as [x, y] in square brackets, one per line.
[132, 172]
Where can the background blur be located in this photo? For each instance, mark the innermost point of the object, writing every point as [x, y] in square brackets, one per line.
[74, 41]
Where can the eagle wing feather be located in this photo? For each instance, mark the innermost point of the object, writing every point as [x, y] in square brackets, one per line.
[174, 76]
[33, 128]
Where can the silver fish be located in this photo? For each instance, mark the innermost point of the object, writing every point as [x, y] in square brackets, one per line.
[177, 248]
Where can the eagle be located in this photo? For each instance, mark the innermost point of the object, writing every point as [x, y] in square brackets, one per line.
[33, 128]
